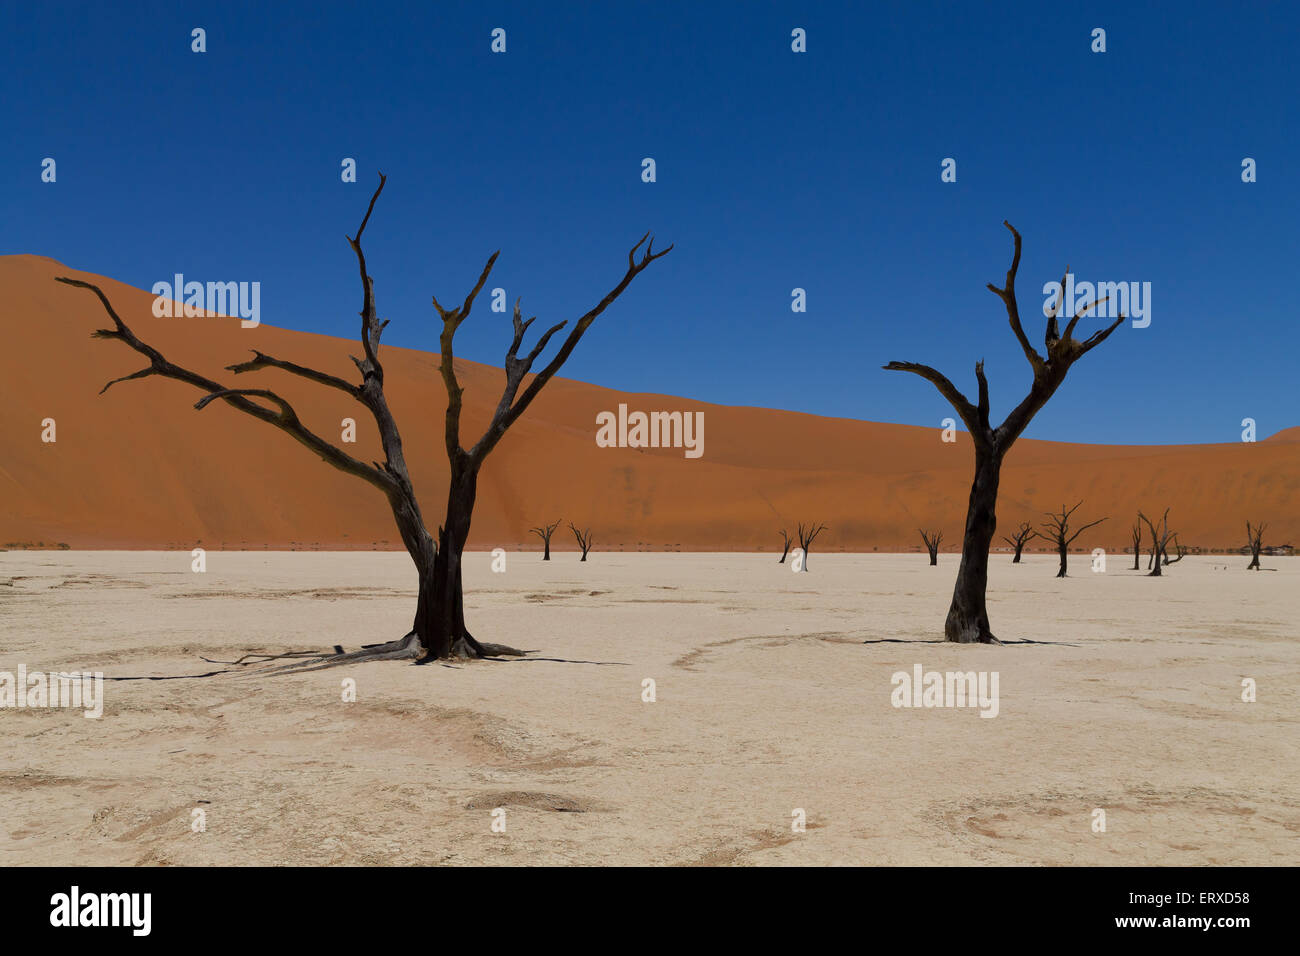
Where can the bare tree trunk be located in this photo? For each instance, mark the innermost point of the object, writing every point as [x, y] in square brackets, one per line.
[544, 532]
[439, 627]
[584, 540]
[932, 539]
[968, 618]
[440, 610]
[1018, 539]
[1255, 538]
[806, 538]
[1160, 537]
[1057, 528]
[786, 549]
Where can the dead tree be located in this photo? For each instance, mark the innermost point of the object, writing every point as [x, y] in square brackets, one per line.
[438, 630]
[545, 532]
[1018, 539]
[584, 540]
[1255, 538]
[806, 538]
[1136, 532]
[932, 539]
[1057, 530]
[1160, 538]
[1178, 549]
[785, 541]
[967, 620]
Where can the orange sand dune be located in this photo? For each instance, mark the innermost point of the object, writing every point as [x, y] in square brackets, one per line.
[139, 467]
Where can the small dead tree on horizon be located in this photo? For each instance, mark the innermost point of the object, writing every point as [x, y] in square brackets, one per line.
[584, 540]
[806, 538]
[545, 532]
[1057, 530]
[1019, 537]
[968, 620]
[932, 539]
[785, 540]
[438, 630]
[1255, 538]
[1136, 532]
[1160, 538]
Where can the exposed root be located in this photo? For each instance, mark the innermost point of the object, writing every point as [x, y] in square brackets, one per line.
[466, 647]
[408, 648]
[248, 659]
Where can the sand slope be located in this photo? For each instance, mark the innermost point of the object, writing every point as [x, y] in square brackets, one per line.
[140, 468]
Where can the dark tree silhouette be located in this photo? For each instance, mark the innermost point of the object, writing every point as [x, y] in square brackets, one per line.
[1178, 549]
[806, 538]
[1255, 537]
[1057, 530]
[438, 630]
[785, 541]
[968, 620]
[584, 540]
[1018, 539]
[1136, 532]
[1160, 538]
[932, 539]
[545, 532]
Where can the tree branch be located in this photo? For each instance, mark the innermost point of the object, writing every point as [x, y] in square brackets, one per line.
[370, 326]
[286, 419]
[968, 412]
[1008, 296]
[261, 360]
[510, 409]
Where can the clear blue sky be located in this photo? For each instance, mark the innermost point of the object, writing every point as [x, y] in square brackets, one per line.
[775, 170]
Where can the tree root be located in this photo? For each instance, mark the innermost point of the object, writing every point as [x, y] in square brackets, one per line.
[407, 648]
[466, 647]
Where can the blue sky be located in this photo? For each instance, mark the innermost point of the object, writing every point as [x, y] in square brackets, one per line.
[775, 170]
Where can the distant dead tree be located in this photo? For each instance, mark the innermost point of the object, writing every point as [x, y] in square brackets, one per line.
[785, 540]
[932, 539]
[1018, 539]
[806, 537]
[968, 620]
[1057, 530]
[1136, 532]
[545, 532]
[438, 630]
[584, 540]
[1255, 538]
[1160, 538]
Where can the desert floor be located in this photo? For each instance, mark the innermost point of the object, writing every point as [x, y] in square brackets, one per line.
[773, 693]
